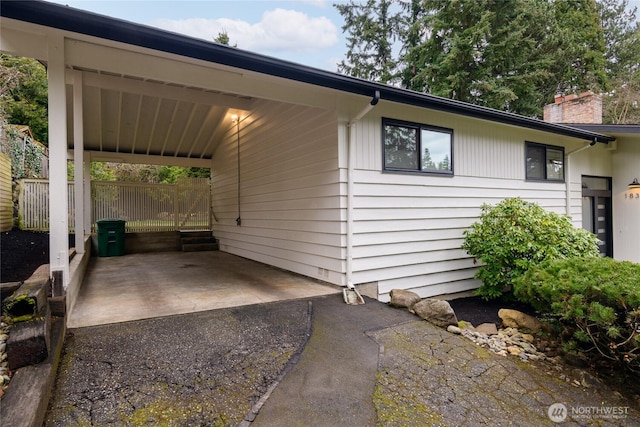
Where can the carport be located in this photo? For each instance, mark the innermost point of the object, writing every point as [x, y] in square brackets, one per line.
[141, 286]
[122, 92]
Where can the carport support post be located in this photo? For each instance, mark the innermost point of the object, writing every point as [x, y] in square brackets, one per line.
[78, 161]
[87, 193]
[58, 189]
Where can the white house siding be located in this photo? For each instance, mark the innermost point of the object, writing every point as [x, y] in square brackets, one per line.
[409, 228]
[593, 161]
[626, 212]
[290, 193]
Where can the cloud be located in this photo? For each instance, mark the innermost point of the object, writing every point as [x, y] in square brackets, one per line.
[278, 30]
[316, 3]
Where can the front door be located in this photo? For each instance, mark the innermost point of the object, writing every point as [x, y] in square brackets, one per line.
[596, 211]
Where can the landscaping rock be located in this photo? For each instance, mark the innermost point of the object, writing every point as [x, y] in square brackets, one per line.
[454, 329]
[436, 311]
[520, 320]
[403, 299]
[514, 350]
[487, 329]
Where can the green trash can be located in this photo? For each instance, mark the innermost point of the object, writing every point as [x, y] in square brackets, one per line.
[110, 237]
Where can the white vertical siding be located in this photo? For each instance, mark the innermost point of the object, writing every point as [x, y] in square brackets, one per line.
[626, 202]
[290, 199]
[409, 228]
[594, 161]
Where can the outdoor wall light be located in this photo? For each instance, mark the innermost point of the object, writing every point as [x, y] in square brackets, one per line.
[234, 118]
[634, 184]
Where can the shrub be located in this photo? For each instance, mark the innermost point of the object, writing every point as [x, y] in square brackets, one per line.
[514, 235]
[596, 302]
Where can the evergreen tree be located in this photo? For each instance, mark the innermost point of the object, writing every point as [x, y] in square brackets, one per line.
[580, 47]
[511, 55]
[622, 54]
[223, 38]
[371, 29]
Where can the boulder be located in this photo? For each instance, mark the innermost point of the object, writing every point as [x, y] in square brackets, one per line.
[520, 320]
[403, 299]
[436, 311]
[487, 329]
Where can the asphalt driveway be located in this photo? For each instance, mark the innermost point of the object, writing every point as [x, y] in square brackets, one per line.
[308, 362]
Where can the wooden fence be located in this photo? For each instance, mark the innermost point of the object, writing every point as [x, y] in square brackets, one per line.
[144, 207]
[6, 199]
[33, 205]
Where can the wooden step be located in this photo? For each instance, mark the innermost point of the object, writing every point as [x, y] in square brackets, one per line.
[199, 247]
[195, 241]
[201, 234]
[189, 240]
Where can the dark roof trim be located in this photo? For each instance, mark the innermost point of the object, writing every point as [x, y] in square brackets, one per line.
[78, 21]
[611, 129]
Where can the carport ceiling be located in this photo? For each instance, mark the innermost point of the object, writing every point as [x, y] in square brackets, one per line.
[133, 115]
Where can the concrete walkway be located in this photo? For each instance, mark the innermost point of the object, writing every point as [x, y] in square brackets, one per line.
[146, 285]
[310, 362]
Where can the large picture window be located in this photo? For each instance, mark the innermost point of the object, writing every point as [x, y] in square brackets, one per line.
[412, 147]
[544, 162]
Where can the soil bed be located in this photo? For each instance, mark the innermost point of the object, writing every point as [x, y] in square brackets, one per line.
[477, 311]
[22, 252]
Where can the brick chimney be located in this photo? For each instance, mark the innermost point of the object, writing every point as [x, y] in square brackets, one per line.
[585, 108]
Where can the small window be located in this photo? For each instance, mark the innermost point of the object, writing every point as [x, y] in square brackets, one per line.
[544, 162]
[412, 147]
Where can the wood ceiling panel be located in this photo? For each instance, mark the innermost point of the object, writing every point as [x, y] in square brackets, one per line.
[129, 109]
[178, 126]
[110, 116]
[162, 125]
[201, 146]
[192, 132]
[146, 123]
[91, 114]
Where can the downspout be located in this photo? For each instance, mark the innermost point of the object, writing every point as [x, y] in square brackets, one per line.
[237, 120]
[568, 173]
[350, 185]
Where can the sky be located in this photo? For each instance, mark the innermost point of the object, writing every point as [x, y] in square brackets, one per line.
[306, 32]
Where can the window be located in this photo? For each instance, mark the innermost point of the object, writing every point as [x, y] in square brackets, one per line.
[544, 162]
[412, 147]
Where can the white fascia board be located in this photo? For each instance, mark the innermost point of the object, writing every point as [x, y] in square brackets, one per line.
[17, 42]
[104, 156]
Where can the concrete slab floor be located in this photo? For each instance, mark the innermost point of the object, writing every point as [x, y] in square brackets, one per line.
[143, 286]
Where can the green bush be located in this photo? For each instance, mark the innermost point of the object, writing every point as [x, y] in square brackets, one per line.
[514, 235]
[596, 302]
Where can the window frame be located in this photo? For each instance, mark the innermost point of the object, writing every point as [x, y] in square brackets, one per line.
[419, 127]
[546, 148]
